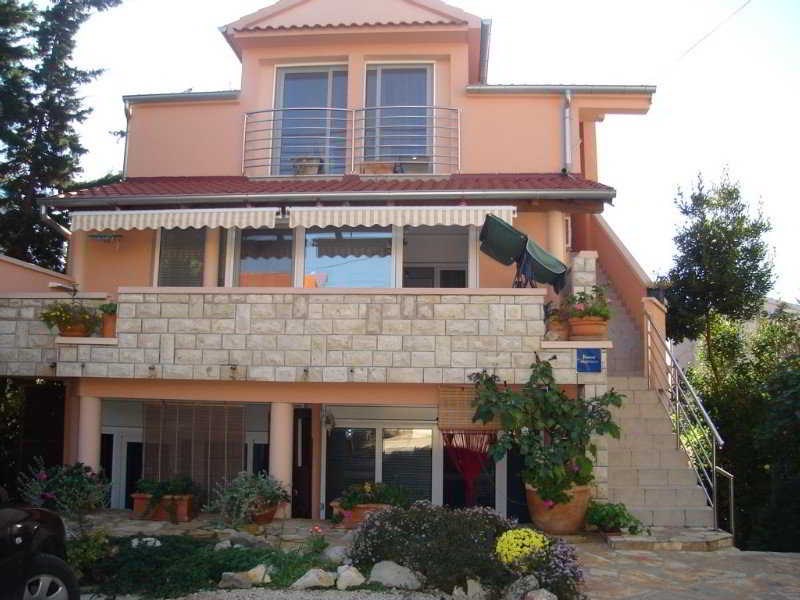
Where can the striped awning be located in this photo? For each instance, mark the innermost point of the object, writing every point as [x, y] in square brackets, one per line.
[174, 219]
[414, 216]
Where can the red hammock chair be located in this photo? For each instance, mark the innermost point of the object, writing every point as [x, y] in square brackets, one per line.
[469, 452]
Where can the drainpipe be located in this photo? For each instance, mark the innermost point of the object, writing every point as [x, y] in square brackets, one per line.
[567, 132]
[57, 227]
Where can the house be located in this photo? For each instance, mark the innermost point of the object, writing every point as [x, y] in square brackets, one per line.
[298, 271]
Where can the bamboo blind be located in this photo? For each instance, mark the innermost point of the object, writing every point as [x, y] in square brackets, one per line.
[456, 410]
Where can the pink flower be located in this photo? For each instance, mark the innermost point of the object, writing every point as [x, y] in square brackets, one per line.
[580, 306]
[549, 503]
[48, 496]
[41, 476]
[575, 468]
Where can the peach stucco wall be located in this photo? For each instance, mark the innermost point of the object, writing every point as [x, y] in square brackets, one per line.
[19, 276]
[105, 266]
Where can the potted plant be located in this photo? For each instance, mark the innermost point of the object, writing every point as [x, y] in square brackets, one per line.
[72, 319]
[556, 321]
[553, 434]
[588, 314]
[109, 312]
[307, 165]
[169, 500]
[612, 519]
[248, 499]
[361, 499]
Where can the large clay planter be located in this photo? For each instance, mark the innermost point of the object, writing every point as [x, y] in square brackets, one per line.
[266, 516]
[74, 330]
[588, 328]
[171, 508]
[559, 519]
[109, 329]
[557, 330]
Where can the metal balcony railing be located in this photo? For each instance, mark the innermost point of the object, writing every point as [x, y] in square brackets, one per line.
[334, 141]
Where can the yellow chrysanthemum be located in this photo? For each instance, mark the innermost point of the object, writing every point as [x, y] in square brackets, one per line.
[516, 544]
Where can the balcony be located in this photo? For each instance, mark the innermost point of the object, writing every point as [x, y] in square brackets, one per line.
[386, 140]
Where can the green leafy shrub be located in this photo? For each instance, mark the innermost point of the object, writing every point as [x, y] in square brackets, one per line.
[184, 565]
[65, 314]
[109, 308]
[72, 490]
[373, 493]
[552, 431]
[84, 552]
[246, 495]
[447, 546]
[611, 518]
[587, 304]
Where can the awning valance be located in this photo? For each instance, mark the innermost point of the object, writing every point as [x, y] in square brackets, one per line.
[401, 216]
[174, 219]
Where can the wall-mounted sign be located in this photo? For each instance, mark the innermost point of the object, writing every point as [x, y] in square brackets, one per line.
[589, 360]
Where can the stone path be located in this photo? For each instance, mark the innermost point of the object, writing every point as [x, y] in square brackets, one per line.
[682, 575]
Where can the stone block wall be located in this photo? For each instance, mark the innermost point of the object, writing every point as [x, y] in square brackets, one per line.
[583, 272]
[322, 337]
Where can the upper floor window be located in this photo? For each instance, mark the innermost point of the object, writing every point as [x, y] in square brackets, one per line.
[310, 123]
[349, 257]
[180, 258]
[398, 117]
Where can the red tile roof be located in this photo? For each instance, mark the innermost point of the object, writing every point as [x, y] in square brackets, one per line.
[143, 187]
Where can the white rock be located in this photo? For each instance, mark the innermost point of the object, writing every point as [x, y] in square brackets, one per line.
[335, 554]
[390, 574]
[234, 581]
[349, 577]
[541, 595]
[223, 545]
[474, 591]
[518, 589]
[148, 542]
[259, 574]
[315, 578]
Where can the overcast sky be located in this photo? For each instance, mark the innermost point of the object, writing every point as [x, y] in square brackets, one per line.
[729, 103]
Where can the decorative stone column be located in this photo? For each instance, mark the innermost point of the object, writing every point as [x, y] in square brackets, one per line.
[281, 428]
[89, 430]
[557, 235]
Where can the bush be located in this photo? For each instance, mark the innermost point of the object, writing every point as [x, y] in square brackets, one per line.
[246, 495]
[446, 546]
[84, 552]
[183, 565]
[72, 490]
[612, 518]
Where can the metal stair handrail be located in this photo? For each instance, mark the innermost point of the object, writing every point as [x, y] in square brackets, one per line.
[694, 429]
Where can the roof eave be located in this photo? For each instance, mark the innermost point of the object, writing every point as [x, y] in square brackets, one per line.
[561, 88]
[220, 95]
[604, 195]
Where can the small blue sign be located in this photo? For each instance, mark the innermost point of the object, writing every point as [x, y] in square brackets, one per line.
[589, 360]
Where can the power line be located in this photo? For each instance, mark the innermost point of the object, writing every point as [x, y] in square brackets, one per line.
[714, 30]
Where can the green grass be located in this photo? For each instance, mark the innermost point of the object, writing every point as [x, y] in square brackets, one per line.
[183, 565]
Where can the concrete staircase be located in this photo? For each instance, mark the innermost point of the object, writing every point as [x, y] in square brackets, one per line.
[646, 470]
[626, 358]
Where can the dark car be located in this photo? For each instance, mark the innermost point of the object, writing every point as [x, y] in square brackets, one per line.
[32, 555]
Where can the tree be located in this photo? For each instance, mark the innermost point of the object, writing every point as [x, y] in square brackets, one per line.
[39, 146]
[722, 266]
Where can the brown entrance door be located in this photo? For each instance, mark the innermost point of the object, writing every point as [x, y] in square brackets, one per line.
[301, 464]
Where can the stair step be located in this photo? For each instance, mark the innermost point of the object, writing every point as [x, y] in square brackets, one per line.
[673, 517]
[692, 539]
[627, 383]
[651, 477]
[643, 440]
[645, 425]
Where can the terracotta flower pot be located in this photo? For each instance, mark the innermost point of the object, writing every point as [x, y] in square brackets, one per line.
[73, 330]
[109, 326]
[353, 517]
[557, 330]
[266, 515]
[588, 328]
[559, 519]
[377, 167]
[171, 508]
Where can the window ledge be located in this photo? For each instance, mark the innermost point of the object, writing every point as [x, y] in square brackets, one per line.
[569, 344]
[87, 341]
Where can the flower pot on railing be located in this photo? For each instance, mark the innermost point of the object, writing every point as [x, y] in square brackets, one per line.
[377, 167]
[307, 165]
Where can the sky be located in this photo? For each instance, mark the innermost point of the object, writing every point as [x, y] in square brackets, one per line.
[727, 104]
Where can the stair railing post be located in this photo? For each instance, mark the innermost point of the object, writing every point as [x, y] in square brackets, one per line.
[714, 500]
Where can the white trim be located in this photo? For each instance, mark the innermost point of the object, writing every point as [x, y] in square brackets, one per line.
[35, 268]
[473, 258]
[397, 255]
[323, 453]
[231, 263]
[86, 341]
[119, 460]
[299, 258]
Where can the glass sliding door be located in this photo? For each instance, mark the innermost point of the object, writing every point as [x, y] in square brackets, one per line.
[265, 258]
[351, 459]
[310, 122]
[408, 460]
[348, 257]
[397, 121]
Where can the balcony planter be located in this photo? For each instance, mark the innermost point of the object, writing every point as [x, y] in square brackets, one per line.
[377, 167]
[307, 165]
[588, 328]
[109, 324]
[362, 499]
[72, 319]
[174, 508]
[559, 518]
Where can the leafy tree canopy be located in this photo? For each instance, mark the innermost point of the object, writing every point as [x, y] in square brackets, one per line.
[40, 108]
